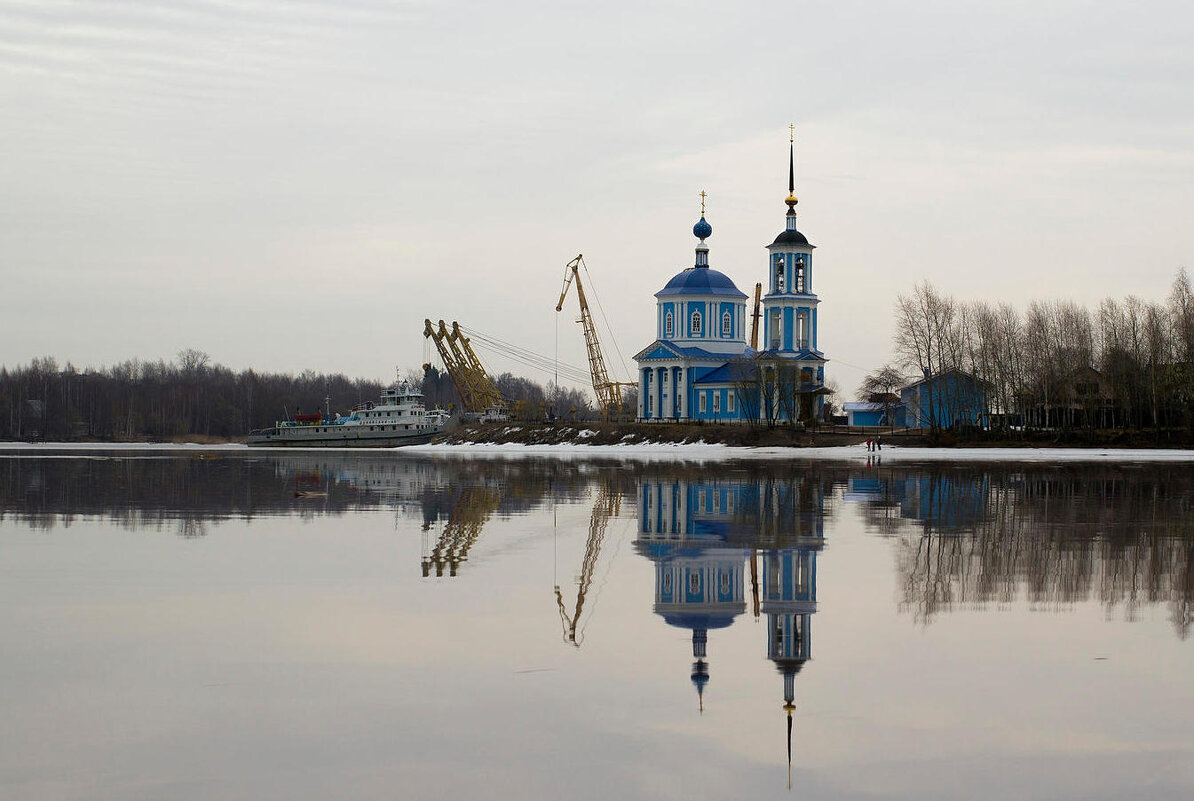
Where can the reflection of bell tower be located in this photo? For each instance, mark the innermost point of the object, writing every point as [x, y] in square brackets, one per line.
[699, 577]
[789, 579]
[789, 601]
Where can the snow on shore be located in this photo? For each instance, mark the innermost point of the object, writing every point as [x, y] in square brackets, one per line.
[850, 453]
[701, 452]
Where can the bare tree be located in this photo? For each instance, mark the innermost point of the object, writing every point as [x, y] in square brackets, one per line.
[883, 386]
[748, 385]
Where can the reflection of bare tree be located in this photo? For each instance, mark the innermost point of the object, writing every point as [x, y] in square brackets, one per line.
[1052, 537]
[190, 528]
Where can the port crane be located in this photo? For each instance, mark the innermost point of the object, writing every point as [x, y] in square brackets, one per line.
[476, 389]
[607, 504]
[609, 393]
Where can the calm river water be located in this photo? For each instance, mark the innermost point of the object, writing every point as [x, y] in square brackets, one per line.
[324, 625]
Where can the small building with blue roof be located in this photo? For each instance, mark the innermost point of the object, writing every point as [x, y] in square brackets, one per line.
[701, 365]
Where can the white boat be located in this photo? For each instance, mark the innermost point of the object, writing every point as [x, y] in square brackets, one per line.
[399, 418]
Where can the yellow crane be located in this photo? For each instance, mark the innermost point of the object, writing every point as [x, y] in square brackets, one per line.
[609, 393]
[606, 505]
[477, 390]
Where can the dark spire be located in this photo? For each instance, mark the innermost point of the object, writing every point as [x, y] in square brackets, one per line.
[791, 198]
[789, 748]
[792, 161]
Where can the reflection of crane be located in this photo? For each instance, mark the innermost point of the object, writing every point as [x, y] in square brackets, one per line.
[605, 506]
[754, 319]
[476, 388]
[465, 521]
[609, 393]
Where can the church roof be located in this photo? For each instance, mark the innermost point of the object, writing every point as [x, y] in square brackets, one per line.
[663, 349]
[722, 375]
[701, 281]
[792, 237]
[801, 355]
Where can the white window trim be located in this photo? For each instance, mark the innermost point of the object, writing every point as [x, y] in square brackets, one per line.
[696, 324]
[701, 401]
[717, 401]
[727, 324]
[669, 324]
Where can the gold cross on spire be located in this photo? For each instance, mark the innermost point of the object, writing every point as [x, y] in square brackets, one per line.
[703, 202]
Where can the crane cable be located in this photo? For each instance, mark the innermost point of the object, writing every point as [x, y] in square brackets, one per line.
[527, 357]
[609, 330]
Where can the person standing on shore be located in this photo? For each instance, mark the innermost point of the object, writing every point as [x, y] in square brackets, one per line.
[878, 442]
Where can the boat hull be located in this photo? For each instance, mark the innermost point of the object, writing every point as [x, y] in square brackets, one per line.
[399, 418]
[339, 439]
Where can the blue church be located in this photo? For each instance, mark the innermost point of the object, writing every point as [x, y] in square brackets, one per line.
[701, 365]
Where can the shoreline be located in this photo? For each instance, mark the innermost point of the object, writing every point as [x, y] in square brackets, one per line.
[692, 451]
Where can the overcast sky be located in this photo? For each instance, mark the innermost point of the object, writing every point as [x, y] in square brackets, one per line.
[292, 185]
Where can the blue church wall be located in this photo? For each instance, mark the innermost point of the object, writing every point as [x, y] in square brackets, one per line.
[789, 327]
[724, 309]
[813, 336]
[718, 409]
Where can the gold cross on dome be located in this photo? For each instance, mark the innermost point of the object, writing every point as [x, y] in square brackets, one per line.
[703, 202]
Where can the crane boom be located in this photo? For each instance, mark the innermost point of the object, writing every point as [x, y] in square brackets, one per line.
[477, 390]
[754, 319]
[488, 392]
[609, 393]
[465, 522]
[606, 505]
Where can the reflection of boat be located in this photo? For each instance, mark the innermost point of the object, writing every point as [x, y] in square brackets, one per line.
[399, 418]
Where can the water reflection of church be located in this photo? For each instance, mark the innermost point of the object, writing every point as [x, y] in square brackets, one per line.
[717, 543]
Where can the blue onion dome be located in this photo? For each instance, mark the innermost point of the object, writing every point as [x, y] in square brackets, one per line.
[702, 230]
[701, 281]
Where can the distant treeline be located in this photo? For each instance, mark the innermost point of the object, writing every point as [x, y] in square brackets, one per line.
[192, 397]
[1127, 364]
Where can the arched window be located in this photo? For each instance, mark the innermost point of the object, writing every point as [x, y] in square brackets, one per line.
[800, 274]
[779, 273]
[726, 324]
[668, 324]
[696, 323]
